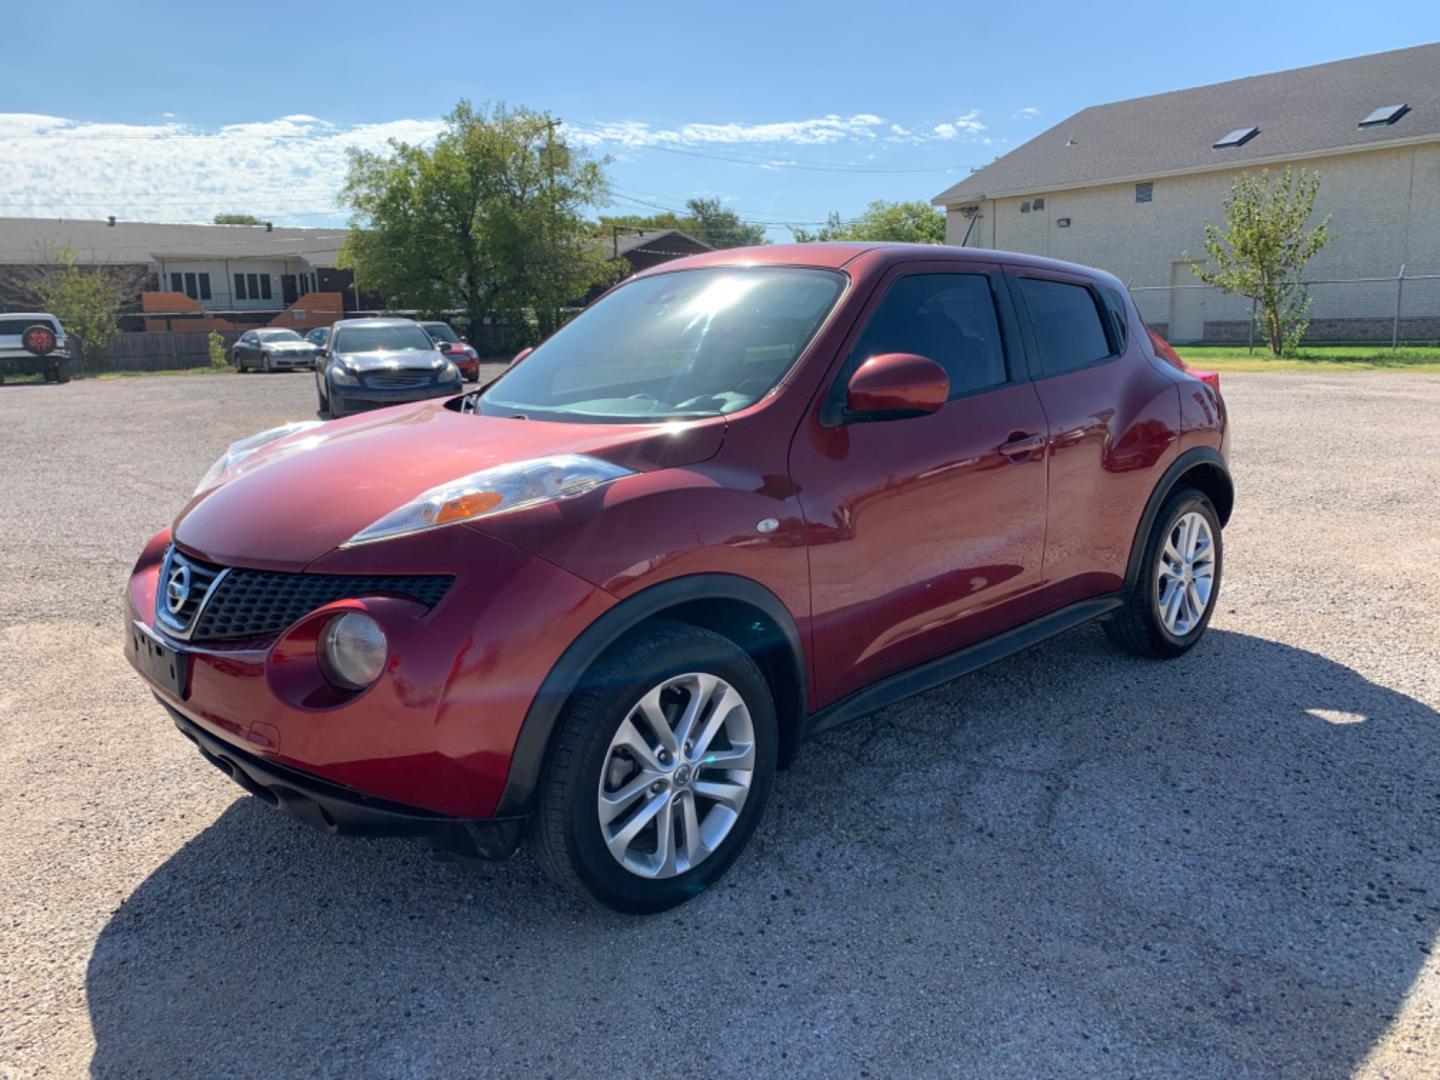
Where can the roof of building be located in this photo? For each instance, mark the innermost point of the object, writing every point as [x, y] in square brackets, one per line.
[661, 241]
[1304, 112]
[26, 240]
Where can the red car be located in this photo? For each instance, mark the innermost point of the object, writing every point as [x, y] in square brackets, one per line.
[459, 351]
[1166, 352]
[743, 498]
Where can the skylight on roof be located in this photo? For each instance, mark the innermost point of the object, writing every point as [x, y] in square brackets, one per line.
[1238, 137]
[1386, 114]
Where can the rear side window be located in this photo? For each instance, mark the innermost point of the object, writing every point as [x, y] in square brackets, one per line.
[1119, 320]
[949, 318]
[1066, 321]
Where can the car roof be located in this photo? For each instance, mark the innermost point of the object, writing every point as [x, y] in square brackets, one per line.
[27, 315]
[838, 255]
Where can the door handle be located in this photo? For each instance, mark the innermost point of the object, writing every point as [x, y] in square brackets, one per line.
[1020, 446]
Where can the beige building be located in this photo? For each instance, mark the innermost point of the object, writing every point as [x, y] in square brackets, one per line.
[1128, 187]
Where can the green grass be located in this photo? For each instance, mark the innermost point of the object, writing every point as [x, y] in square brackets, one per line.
[77, 376]
[1408, 358]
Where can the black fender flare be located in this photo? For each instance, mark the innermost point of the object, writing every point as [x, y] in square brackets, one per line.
[1200, 455]
[527, 758]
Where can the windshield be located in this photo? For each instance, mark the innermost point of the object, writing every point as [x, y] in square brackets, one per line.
[441, 331]
[405, 338]
[278, 335]
[684, 344]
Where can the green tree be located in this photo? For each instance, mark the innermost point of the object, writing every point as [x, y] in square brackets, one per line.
[1263, 247]
[487, 220]
[705, 219]
[88, 300]
[216, 344]
[904, 222]
[237, 219]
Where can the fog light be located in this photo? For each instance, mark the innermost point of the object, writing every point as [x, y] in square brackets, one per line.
[352, 650]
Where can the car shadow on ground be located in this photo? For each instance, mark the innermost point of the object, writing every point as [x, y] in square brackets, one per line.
[1070, 863]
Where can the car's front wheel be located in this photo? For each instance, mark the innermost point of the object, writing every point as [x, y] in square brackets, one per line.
[659, 772]
[1169, 607]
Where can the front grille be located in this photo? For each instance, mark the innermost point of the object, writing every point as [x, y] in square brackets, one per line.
[240, 603]
[256, 603]
[397, 382]
[185, 583]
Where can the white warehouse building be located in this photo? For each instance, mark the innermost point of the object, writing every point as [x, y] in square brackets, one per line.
[1128, 187]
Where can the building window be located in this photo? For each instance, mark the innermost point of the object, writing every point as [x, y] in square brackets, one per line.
[240, 287]
[252, 283]
[265, 286]
[1144, 192]
[1025, 207]
[1038, 204]
[175, 283]
[192, 288]
[204, 286]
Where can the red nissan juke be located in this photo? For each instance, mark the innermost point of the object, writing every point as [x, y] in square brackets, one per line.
[743, 498]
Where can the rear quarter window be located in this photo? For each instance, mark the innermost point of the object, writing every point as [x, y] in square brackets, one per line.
[1069, 331]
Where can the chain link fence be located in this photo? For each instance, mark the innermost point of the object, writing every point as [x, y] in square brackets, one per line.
[1402, 309]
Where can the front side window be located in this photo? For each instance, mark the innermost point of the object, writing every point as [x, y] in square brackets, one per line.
[673, 346]
[948, 318]
[363, 339]
[1068, 329]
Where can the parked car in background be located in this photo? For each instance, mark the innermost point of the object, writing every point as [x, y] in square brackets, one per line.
[272, 350]
[456, 348]
[741, 499]
[317, 336]
[1165, 351]
[34, 343]
[371, 363]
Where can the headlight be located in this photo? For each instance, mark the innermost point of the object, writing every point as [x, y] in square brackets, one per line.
[241, 450]
[449, 371]
[342, 376]
[494, 491]
[352, 650]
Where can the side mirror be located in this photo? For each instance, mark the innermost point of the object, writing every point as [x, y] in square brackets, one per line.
[522, 354]
[894, 386]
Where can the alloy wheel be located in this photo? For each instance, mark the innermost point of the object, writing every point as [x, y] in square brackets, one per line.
[676, 775]
[1185, 576]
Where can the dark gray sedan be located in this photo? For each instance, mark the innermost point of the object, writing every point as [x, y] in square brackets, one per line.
[371, 363]
[272, 350]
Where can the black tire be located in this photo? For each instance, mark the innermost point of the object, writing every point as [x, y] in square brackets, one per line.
[566, 834]
[239, 364]
[265, 364]
[62, 372]
[1138, 626]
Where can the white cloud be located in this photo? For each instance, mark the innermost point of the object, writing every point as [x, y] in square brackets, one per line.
[288, 169]
[968, 124]
[1027, 113]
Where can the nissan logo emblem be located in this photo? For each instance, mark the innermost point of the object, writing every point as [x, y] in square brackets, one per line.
[177, 588]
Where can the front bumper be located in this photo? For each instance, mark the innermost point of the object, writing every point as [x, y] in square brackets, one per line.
[348, 399]
[342, 811]
[436, 732]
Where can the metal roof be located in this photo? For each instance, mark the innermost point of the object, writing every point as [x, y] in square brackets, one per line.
[26, 240]
[1304, 112]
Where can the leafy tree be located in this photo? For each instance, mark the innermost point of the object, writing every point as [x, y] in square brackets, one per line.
[906, 222]
[237, 219]
[1263, 248]
[88, 300]
[705, 219]
[486, 220]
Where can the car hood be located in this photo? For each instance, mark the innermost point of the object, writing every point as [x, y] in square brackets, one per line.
[410, 360]
[300, 497]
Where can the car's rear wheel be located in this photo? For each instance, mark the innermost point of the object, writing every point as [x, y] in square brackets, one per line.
[659, 772]
[1169, 607]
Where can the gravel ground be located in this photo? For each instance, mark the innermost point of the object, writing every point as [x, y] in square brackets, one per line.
[1072, 863]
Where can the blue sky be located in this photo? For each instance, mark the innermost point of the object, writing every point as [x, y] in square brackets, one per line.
[787, 111]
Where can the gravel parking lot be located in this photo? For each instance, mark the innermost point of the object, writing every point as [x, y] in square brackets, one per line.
[1073, 863]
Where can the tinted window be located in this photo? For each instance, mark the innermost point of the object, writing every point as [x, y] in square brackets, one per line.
[1119, 318]
[1068, 330]
[949, 318]
[440, 331]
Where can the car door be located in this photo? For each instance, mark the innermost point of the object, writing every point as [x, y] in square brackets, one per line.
[1111, 417]
[925, 534]
[244, 351]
